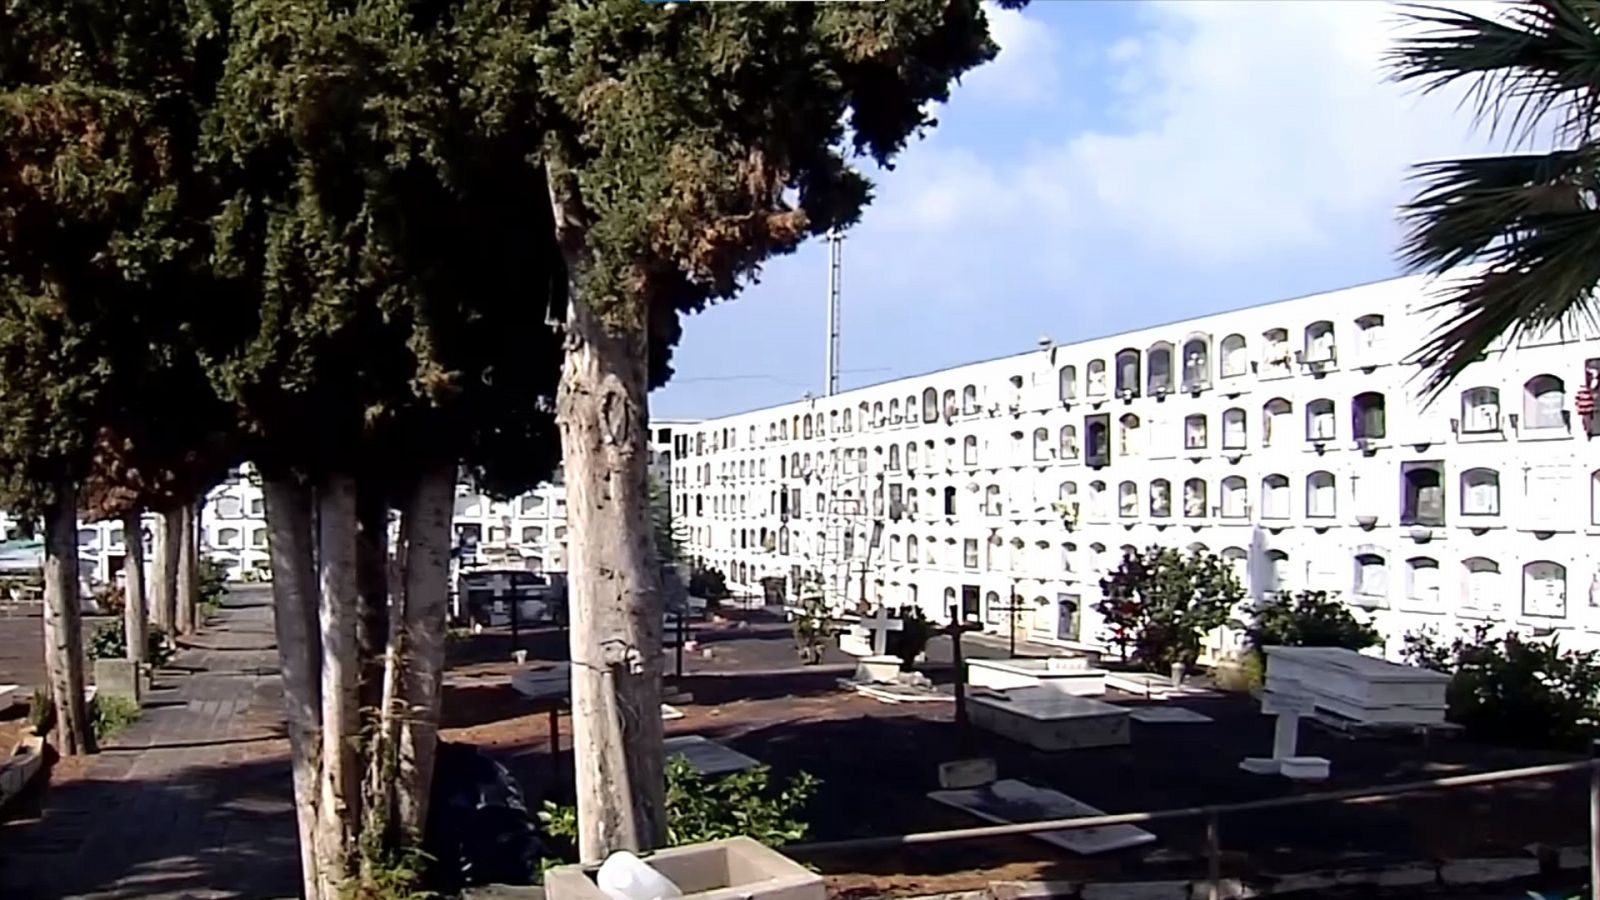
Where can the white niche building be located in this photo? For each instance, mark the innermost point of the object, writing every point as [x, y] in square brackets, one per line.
[1289, 438]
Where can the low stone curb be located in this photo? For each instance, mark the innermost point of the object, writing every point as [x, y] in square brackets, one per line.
[24, 764]
[1403, 877]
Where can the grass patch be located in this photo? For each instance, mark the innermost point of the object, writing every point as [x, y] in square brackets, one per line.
[108, 716]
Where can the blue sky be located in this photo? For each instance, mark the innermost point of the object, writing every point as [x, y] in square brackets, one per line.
[1120, 165]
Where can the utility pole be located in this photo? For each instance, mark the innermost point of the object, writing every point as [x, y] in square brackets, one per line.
[835, 241]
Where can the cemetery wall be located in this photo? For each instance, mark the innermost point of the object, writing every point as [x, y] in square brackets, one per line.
[1291, 438]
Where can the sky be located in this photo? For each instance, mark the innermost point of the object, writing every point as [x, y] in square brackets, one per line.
[1118, 166]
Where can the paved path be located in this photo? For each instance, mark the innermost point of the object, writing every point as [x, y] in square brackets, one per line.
[191, 801]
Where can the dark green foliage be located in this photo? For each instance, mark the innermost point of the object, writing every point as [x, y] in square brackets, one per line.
[213, 582]
[912, 638]
[708, 584]
[108, 716]
[1159, 604]
[41, 712]
[1309, 619]
[1531, 218]
[1306, 619]
[692, 142]
[701, 809]
[1509, 690]
[669, 535]
[110, 641]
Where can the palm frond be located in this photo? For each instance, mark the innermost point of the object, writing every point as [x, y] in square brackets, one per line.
[1530, 60]
[1531, 222]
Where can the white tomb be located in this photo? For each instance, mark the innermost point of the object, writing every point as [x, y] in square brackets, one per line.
[1068, 674]
[879, 666]
[1048, 719]
[1008, 801]
[1288, 701]
[1361, 688]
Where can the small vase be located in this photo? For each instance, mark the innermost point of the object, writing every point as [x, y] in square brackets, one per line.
[1179, 670]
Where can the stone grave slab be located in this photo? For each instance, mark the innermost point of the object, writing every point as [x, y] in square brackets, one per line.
[10, 694]
[1167, 715]
[1149, 684]
[1362, 688]
[707, 756]
[1010, 801]
[903, 693]
[1047, 719]
[1069, 674]
[554, 683]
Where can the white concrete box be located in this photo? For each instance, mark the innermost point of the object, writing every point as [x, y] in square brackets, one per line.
[734, 869]
[1355, 679]
[1048, 719]
[1071, 675]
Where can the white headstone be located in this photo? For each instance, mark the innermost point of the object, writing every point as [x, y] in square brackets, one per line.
[879, 624]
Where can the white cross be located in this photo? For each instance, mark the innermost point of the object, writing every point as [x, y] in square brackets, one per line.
[879, 624]
[500, 584]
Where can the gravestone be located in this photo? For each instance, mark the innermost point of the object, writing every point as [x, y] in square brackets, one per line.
[1068, 674]
[1166, 715]
[9, 695]
[1009, 801]
[1047, 719]
[554, 683]
[1288, 702]
[1360, 688]
[118, 678]
[880, 667]
[707, 756]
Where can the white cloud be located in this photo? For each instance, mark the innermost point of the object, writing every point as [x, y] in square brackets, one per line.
[1025, 71]
[1242, 129]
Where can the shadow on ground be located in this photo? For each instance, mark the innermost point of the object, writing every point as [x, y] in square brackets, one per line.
[226, 832]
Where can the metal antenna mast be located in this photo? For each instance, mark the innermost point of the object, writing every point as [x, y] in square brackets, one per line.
[835, 271]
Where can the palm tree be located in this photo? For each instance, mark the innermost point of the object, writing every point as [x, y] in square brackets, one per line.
[1528, 220]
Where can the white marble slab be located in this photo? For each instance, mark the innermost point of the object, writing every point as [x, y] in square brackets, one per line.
[1149, 684]
[1166, 715]
[9, 695]
[1047, 719]
[1072, 675]
[554, 682]
[1009, 801]
[707, 756]
[1359, 687]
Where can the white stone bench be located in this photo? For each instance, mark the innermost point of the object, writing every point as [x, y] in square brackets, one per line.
[1048, 719]
[1068, 674]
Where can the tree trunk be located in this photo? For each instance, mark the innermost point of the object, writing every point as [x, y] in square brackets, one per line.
[188, 590]
[372, 575]
[339, 811]
[294, 592]
[64, 624]
[166, 570]
[420, 644]
[614, 585]
[136, 617]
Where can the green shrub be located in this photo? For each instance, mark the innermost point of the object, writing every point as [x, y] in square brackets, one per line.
[812, 623]
[912, 638]
[1159, 604]
[109, 715]
[110, 641]
[1514, 691]
[1306, 619]
[41, 712]
[708, 809]
[708, 584]
[213, 584]
[1309, 619]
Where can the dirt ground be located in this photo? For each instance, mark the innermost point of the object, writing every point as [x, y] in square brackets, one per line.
[877, 762]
